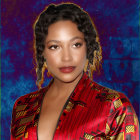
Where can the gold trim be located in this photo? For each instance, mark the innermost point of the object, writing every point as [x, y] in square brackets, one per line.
[26, 120]
[130, 128]
[21, 113]
[120, 119]
[69, 106]
[20, 107]
[38, 110]
[107, 129]
[120, 136]
[21, 135]
[88, 136]
[34, 95]
[117, 103]
[26, 135]
[112, 95]
[21, 129]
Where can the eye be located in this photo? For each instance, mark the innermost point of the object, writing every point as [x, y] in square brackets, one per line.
[77, 45]
[53, 47]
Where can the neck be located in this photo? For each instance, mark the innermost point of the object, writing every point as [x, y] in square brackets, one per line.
[60, 88]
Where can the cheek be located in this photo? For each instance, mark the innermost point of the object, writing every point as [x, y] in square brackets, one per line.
[51, 59]
[80, 56]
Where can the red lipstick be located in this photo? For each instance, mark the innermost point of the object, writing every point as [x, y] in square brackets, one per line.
[67, 69]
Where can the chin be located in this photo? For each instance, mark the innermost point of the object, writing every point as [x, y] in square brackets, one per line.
[68, 80]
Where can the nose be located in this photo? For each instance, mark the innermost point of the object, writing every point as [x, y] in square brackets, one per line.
[66, 54]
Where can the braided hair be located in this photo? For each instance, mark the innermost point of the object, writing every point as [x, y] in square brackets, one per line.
[65, 11]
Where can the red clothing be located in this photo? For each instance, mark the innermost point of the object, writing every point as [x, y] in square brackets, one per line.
[91, 112]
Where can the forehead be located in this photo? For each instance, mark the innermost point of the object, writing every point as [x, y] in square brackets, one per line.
[63, 29]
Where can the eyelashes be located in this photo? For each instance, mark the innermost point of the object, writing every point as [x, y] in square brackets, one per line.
[53, 47]
[76, 45]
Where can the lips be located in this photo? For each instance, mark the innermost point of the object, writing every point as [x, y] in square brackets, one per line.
[67, 69]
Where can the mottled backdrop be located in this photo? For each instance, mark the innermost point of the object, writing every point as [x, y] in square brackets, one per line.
[117, 22]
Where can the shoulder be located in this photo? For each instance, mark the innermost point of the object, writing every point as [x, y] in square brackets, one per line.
[105, 94]
[115, 108]
[120, 106]
[26, 106]
[121, 114]
[26, 101]
[30, 97]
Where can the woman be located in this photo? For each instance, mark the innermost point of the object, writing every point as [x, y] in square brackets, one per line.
[72, 106]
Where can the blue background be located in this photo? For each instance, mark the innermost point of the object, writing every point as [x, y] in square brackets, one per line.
[117, 22]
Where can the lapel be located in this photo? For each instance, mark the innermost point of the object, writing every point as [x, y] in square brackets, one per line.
[77, 98]
[27, 108]
[26, 112]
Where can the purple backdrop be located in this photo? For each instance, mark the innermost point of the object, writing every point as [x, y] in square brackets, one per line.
[117, 22]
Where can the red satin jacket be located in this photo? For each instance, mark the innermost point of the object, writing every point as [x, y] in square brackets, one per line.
[92, 112]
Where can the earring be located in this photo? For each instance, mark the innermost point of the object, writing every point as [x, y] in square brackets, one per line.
[87, 68]
[48, 72]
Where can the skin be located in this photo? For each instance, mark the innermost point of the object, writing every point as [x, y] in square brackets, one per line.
[64, 46]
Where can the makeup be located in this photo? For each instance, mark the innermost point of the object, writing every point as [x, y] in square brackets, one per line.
[67, 69]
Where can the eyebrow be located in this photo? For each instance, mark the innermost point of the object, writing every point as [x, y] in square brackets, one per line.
[57, 41]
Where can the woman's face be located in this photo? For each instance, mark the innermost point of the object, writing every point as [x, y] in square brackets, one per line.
[65, 51]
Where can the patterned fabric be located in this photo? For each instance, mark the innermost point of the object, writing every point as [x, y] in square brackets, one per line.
[92, 112]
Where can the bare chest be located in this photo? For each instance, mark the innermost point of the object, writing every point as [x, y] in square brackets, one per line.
[49, 116]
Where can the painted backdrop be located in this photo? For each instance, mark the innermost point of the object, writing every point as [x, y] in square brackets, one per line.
[118, 28]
